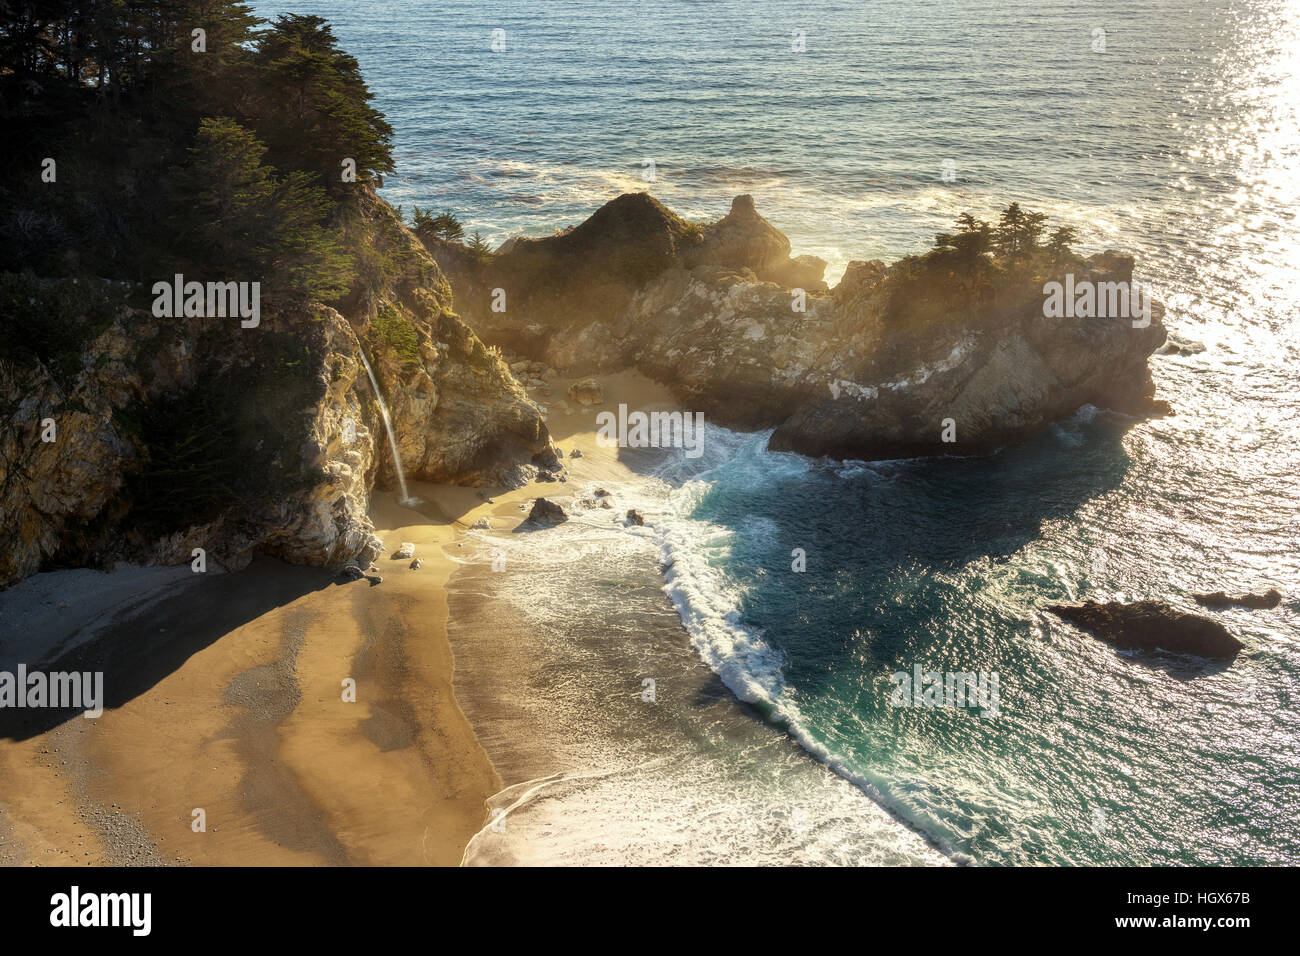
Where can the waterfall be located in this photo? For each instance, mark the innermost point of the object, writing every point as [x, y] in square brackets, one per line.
[406, 499]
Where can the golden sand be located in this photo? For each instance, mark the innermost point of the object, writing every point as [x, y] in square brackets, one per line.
[242, 716]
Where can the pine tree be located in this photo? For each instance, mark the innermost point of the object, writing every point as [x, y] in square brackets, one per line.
[243, 222]
[313, 107]
[1059, 242]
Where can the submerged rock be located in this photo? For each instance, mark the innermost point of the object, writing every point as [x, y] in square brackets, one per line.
[547, 512]
[1150, 626]
[1217, 600]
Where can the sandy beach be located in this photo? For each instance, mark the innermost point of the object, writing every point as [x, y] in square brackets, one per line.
[225, 695]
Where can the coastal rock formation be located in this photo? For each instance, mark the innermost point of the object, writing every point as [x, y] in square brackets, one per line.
[1218, 601]
[170, 435]
[1150, 626]
[587, 392]
[894, 361]
[546, 512]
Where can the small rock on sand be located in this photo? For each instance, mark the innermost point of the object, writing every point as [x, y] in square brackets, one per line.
[407, 550]
[416, 564]
[587, 392]
[547, 512]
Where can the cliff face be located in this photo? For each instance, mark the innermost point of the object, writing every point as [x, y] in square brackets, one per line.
[875, 368]
[175, 434]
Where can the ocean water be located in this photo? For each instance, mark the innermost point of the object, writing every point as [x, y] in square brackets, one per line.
[1179, 142]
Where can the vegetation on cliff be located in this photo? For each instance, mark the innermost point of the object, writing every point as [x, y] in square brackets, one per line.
[166, 137]
[174, 152]
[978, 266]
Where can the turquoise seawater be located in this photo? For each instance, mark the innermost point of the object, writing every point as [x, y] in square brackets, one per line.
[1168, 130]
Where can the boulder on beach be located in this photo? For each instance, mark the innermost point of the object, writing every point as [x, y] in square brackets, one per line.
[407, 550]
[587, 392]
[1217, 600]
[481, 524]
[547, 512]
[1150, 626]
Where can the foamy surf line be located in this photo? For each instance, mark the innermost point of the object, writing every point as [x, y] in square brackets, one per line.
[709, 608]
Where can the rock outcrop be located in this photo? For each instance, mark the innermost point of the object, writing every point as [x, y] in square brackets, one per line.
[1218, 600]
[1151, 626]
[894, 361]
[169, 435]
[545, 511]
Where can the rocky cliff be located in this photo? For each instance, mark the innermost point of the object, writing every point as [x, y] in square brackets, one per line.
[914, 358]
[166, 435]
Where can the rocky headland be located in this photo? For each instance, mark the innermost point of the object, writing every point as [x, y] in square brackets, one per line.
[181, 433]
[930, 355]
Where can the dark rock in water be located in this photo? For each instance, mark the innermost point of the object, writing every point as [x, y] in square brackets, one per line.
[635, 517]
[1218, 600]
[1149, 626]
[547, 512]
[601, 493]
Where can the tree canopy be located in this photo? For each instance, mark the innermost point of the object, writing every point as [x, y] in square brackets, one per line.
[182, 134]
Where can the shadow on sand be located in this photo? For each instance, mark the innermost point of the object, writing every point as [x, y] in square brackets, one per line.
[137, 652]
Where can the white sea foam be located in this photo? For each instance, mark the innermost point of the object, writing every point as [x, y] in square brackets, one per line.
[694, 553]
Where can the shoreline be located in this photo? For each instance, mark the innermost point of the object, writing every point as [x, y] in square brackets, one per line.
[464, 714]
[223, 693]
[226, 696]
